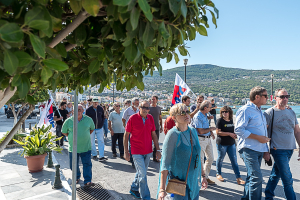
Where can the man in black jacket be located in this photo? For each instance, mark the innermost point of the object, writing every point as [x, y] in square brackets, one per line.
[96, 112]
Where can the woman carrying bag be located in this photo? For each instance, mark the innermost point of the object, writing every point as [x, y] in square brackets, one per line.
[180, 167]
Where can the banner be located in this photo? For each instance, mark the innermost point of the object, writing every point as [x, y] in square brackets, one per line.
[180, 89]
[47, 115]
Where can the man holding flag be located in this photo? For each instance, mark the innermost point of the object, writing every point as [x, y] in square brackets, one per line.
[47, 113]
[180, 89]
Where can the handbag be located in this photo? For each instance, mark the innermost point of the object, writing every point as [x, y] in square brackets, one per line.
[270, 162]
[176, 186]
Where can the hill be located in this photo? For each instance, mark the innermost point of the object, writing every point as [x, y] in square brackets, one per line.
[234, 83]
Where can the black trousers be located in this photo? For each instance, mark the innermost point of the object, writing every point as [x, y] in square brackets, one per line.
[59, 134]
[154, 149]
[119, 137]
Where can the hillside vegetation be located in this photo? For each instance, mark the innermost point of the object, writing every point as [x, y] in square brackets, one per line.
[234, 83]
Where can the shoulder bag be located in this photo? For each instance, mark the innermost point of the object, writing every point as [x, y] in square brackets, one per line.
[270, 163]
[176, 186]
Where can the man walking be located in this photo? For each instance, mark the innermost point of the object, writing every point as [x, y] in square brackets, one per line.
[284, 131]
[200, 123]
[141, 128]
[70, 109]
[213, 112]
[85, 128]
[97, 114]
[60, 117]
[251, 130]
[115, 125]
[155, 111]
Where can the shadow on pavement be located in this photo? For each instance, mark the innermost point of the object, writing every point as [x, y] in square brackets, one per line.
[11, 158]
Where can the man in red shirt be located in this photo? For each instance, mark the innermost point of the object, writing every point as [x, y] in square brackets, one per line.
[141, 128]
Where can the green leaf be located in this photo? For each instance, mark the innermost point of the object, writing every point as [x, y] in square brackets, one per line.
[80, 34]
[150, 52]
[183, 9]
[134, 17]
[119, 32]
[121, 2]
[213, 18]
[55, 64]
[169, 57]
[23, 57]
[16, 80]
[140, 85]
[60, 48]
[176, 57]
[46, 74]
[163, 31]
[105, 66]
[182, 50]
[10, 62]
[38, 45]
[146, 9]
[127, 42]
[52, 53]
[148, 35]
[30, 99]
[76, 6]
[174, 6]
[91, 6]
[24, 87]
[39, 24]
[48, 32]
[11, 32]
[131, 51]
[170, 39]
[94, 66]
[192, 33]
[202, 30]
[56, 24]
[34, 14]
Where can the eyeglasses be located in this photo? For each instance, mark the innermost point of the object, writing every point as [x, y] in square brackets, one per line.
[183, 113]
[225, 112]
[145, 108]
[196, 161]
[117, 105]
[284, 96]
[265, 95]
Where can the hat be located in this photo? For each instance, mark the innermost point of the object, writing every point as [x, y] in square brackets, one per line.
[95, 100]
[90, 99]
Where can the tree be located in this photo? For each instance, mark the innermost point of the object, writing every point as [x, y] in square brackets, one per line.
[70, 44]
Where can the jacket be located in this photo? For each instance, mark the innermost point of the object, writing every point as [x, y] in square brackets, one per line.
[97, 117]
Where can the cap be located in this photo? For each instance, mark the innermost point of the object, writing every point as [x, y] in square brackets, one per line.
[90, 99]
[95, 100]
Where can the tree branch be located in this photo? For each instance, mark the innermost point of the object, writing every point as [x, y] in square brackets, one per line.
[70, 46]
[83, 15]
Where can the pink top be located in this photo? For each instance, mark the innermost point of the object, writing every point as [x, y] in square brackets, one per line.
[140, 137]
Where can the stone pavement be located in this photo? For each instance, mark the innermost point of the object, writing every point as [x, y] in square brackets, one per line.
[17, 183]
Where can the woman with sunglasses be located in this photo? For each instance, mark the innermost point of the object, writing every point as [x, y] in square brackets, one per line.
[176, 154]
[226, 143]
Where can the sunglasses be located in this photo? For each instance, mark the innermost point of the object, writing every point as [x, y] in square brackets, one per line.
[117, 105]
[265, 95]
[225, 111]
[145, 108]
[183, 113]
[284, 96]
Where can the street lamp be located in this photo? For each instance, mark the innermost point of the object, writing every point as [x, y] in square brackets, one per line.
[185, 63]
[272, 76]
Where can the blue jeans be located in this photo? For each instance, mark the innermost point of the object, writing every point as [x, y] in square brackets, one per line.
[99, 134]
[253, 186]
[231, 151]
[87, 165]
[141, 163]
[105, 127]
[281, 169]
[215, 119]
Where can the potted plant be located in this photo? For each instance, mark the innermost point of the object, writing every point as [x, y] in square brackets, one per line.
[36, 145]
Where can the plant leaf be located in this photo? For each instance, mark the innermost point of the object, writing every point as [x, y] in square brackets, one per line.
[76, 6]
[39, 24]
[105, 66]
[23, 57]
[121, 2]
[24, 87]
[38, 45]
[202, 30]
[146, 9]
[131, 51]
[60, 48]
[148, 35]
[183, 9]
[134, 17]
[94, 66]
[163, 31]
[174, 6]
[10, 62]
[56, 64]
[11, 32]
[46, 74]
[91, 6]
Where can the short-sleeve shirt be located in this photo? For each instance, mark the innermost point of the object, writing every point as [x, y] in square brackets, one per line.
[169, 124]
[128, 112]
[116, 122]
[63, 113]
[141, 136]
[155, 112]
[200, 121]
[85, 125]
[213, 111]
[283, 128]
[225, 126]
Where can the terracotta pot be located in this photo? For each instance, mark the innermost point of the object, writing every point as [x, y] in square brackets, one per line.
[35, 163]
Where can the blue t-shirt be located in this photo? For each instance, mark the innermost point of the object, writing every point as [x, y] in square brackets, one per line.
[200, 121]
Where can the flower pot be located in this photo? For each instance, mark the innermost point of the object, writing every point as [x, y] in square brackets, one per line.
[35, 163]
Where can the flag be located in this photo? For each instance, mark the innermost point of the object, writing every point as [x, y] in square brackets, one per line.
[271, 97]
[180, 89]
[47, 114]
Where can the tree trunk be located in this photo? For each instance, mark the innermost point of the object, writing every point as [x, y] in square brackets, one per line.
[15, 129]
[5, 95]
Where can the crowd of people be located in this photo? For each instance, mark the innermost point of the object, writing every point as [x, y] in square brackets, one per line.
[187, 152]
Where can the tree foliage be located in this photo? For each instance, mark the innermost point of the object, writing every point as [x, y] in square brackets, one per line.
[70, 44]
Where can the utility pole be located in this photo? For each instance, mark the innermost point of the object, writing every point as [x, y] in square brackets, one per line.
[113, 92]
[272, 76]
[185, 61]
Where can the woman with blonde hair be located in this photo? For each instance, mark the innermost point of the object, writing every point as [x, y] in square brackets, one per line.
[181, 143]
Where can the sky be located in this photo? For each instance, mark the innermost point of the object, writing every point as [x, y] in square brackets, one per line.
[251, 34]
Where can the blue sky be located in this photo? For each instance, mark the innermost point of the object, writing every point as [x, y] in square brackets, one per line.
[257, 34]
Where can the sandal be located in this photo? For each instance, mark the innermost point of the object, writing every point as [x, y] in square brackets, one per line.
[77, 181]
[89, 184]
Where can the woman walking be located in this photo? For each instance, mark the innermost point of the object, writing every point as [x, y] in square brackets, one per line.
[176, 153]
[226, 143]
[106, 115]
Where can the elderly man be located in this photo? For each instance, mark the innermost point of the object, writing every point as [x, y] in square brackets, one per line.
[285, 128]
[251, 130]
[85, 128]
[97, 114]
[115, 125]
[127, 113]
[141, 128]
[200, 123]
[70, 109]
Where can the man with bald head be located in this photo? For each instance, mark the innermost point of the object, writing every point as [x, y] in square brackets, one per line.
[85, 128]
[141, 128]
